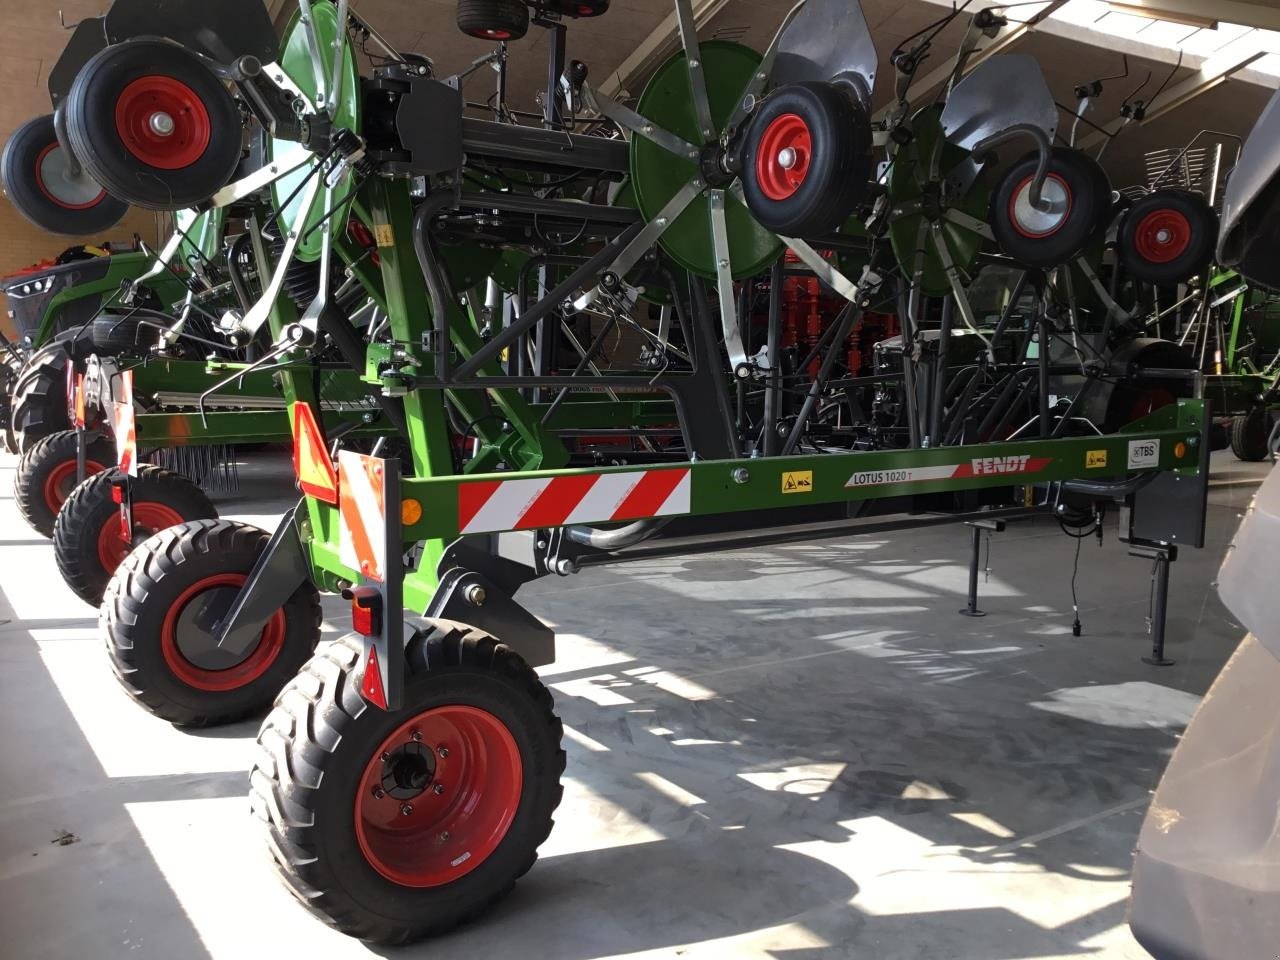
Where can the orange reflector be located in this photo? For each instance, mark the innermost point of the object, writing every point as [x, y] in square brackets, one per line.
[1179, 449]
[311, 462]
[371, 684]
[410, 512]
[80, 422]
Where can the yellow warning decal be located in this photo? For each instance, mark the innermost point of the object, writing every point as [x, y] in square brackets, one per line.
[1095, 459]
[797, 481]
[384, 235]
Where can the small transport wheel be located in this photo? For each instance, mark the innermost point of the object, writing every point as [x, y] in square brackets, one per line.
[396, 826]
[493, 19]
[1168, 236]
[1249, 435]
[159, 611]
[154, 125]
[46, 475]
[807, 159]
[1077, 195]
[39, 183]
[88, 541]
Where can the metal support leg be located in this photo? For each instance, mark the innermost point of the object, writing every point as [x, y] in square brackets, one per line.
[81, 443]
[975, 560]
[1162, 556]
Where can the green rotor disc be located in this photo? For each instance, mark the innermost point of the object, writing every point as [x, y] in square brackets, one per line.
[658, 175]
[295, 59]
[908, 179]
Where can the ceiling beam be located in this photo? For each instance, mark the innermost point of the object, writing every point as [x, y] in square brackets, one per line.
[1004, 40]
[1214, 71]
[1224, 11]
[655, 48]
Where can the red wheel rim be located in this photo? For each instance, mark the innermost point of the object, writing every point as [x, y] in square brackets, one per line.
[62, 480]
[783, 156]
[1162, 236]
[258, 661]
[163, 122]
[438, 796]
[148, 518]
[48, 194]
[1021, 190]
[493, 34]
[1151, 400]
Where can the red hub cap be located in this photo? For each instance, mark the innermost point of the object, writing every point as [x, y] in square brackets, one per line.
[148, 518]
[188, 645]
[1162, 236]
[783, 156]
[438, 796]
[62, 480]
[163, 122]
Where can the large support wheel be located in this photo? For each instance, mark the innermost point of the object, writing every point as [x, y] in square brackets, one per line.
[1168, 236]
[154, 125]
[40, 394]
[158, 616]
[47, 472]
[396, 826]
[43, 184]
[807, 159]
[1075, 206]
[89, 542]
[1250, 434]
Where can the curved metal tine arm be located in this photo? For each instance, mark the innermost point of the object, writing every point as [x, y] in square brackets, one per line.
[751, 95]
[262, 178]
[334, 99]
[628, 119]
[311, 318]
[366, 27]
[957, 289]
[697, 79]
[632, 253]
[162, 261]
[313, 51]
[277, 351]
[1043, 146]
[733, 344]
[252, 321]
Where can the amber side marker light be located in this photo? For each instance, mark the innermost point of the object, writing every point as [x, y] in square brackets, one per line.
[1179, 449]
[410, 512]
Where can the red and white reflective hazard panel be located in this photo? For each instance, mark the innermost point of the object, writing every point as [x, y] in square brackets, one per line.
[489, 506]
[77, 417]
[71, 392]
[362, 505]
[1017, 466]
[125, 427]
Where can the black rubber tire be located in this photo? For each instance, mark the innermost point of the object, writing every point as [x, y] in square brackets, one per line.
[839, 167]
[24, 184]
[10, 368]
[493, 19]
[40, 394]
[90, 508]
[97, 141]
[41, 460]
[312, 751]
[1249, 435]
[1200, 244]
[1088, 213]
[152, 579]
[116, 335]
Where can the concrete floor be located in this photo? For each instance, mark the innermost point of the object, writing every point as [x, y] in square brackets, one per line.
[800, 752]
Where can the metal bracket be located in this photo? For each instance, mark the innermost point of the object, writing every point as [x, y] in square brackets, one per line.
[283, 567]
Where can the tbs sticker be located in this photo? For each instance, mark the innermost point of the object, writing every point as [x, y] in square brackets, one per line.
[1144, 454]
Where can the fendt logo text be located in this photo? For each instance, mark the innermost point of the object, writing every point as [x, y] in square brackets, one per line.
[1001, 465]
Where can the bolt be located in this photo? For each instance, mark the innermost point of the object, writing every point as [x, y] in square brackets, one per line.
[724, 264]
[647, 128]
[475, 595]
[438, 789]
[415, 736]
[386, 757]
[161, 124]
[566, 567]
[378, 793]
[741, 475]
[695, 64]
[406, 809]
[444, 836]
[443, 751]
